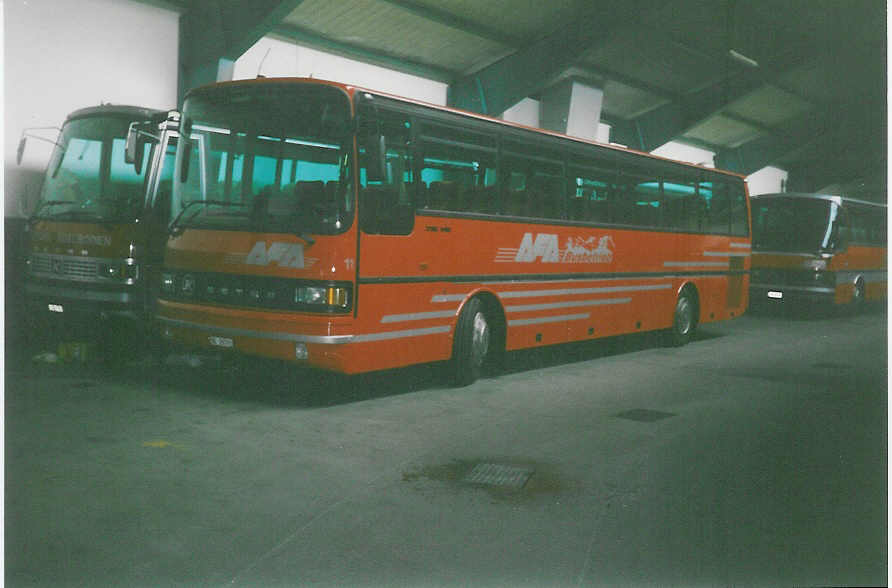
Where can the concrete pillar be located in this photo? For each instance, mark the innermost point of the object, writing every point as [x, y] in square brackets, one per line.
[572, 108]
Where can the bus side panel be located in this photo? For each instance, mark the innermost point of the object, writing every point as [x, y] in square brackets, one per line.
[555, 283]
[860, 261]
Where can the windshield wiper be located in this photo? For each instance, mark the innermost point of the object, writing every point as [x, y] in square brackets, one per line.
[303, 236]
[174, 227]
[47, 204]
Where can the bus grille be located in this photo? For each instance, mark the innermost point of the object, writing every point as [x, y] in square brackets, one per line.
[60, 266]
[791, 277]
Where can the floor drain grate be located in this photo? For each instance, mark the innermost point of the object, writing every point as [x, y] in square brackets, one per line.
[644, 415]
[493, 474]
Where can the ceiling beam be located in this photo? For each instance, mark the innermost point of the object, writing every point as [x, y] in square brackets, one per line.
[215, 31]
[453, 21]
[497, 87]
[351, 51]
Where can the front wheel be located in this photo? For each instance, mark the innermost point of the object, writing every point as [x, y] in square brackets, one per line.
[684, 320]
[471, 346]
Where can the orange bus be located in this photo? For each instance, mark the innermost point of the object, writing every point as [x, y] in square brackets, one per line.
[818, 248]
[352, 231]
[96, 235]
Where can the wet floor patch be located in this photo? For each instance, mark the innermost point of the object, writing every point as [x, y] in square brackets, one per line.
[505, 479]
[645, 415]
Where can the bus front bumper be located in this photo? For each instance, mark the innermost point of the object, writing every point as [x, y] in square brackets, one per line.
[773, 293]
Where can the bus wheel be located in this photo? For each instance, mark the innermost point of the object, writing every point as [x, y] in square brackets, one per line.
[684, 320]
[471, 346]
[859, 295]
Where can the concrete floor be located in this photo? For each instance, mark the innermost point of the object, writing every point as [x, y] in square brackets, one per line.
[756, 455]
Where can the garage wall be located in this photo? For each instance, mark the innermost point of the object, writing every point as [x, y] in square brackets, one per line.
[61, 55]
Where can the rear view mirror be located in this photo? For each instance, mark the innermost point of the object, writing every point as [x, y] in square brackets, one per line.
[135, 146]
[130, 145]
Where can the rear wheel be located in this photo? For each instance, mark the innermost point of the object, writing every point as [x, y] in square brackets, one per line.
[471, 346]
[684, 320]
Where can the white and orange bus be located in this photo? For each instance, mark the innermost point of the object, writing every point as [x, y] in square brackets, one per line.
[818, 248]
[352, 231]
[96, 235]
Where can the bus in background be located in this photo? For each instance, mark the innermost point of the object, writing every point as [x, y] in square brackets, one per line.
[96, 234]
[815, 248]
[352, 231]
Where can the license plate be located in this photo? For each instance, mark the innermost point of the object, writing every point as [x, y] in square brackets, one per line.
[55, 308]
[777, 295]
[220, 341]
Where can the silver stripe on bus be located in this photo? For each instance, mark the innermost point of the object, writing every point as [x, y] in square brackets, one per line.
[417, 316]
[295, 338]
[695, 264]
[724, 254]
[274, 335]
[548, 319]
[577, 280]
[741, 245]
[385, 335]
[575, 303]
[785, 253]
[570, 291]
[448, 297]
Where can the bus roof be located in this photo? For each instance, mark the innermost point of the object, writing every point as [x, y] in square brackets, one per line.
[352, 90]
[118, 110]
[816, 196]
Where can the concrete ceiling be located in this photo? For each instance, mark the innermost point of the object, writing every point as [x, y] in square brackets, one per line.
[814, 104]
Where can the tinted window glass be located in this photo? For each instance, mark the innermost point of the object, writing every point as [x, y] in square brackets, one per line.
[458, 170]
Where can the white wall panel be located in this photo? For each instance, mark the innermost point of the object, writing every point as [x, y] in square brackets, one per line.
[61, 55]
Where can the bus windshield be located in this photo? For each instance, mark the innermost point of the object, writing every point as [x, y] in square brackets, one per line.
[87, 177]
[264, 157]
[795, 225]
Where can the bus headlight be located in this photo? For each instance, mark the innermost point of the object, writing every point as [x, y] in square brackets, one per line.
[332, 296]
[168, 283]
[126, 271]
[187, 285]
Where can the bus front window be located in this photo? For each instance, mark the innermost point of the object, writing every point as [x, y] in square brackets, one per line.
[271, 157]
[87, 178]
[795, 225]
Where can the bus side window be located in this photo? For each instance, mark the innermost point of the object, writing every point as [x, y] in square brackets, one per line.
[591, 185]
[387, 204]
[738, 208]
[718, 210]
[680, 205]
[535, 186]
[458, 169]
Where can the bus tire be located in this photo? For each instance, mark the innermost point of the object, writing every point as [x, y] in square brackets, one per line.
[684, 319]
[859, 295]
[471, 346]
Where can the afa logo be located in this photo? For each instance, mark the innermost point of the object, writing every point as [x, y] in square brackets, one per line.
[545, 247]
[281, 254]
